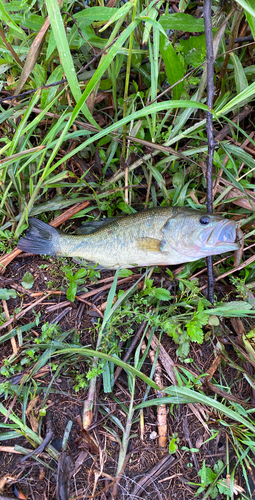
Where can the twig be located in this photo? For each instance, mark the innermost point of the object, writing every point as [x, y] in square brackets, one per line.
[48, 438]
[209, 127]
[13, 402]
[9, 47]
[164, 358]
[160, 147]
[130, 350]
[93, 307]
[61, 315]
[106, 287]
[22, 313]
[90, 294]
[69, 213]
[227, 273]
[161, 408]
[7, 315]
[226, 395]
[168, 461]
[188, 439]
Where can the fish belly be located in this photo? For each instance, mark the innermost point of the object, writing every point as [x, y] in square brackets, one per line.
[116, 252]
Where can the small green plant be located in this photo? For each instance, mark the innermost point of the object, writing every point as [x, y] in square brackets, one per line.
[7, 389]
[51, 284]
[49, 332]
[182, 319]
[5, 239]
[210, 479]
[184, 332]
[27, 281]
[74, 280]
[95, 371]
[6, 294]
[7, 370]
[30, 354]
[174, 443]
[81, 382]
[156, 292]
[243, 288]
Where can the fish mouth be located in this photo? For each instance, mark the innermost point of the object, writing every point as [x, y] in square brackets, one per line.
[223, 235]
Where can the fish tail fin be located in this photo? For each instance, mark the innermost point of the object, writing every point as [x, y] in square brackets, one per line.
[40, 238]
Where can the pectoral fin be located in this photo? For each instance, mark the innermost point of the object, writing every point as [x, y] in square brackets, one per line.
[150, 244]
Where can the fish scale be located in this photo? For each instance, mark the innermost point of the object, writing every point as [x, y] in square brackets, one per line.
[157, 236]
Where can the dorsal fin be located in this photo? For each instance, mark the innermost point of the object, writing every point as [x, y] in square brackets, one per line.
[94, 225]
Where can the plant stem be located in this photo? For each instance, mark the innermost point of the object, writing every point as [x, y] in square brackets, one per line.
[89, 401]
[128, 78]
[126, 435]
[209, 127]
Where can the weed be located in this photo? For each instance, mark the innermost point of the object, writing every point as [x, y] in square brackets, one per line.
[6, 294]
[74, 281]
[8, 389]
[81, 382]
[173, 443]
[210, 478]
[27, 281]
[78, 278]
[30, 355]
[180, 319]
[6, 240]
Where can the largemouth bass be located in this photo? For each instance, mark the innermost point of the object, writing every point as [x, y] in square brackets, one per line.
[157, 236]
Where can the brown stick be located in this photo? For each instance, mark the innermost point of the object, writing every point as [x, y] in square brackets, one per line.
[9, 47]
[244, 264]
[130, 350]
[168, 461]
[7, 315]
[95, 292]
[161, 408]
[22, 313]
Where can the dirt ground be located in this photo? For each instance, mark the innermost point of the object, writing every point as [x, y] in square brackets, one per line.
[87, 467]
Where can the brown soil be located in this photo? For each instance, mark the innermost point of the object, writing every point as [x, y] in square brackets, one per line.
[91, 458]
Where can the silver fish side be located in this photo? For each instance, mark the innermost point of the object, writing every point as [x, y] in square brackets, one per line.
[158, 236]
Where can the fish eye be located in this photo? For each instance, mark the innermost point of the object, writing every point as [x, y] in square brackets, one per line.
[204, 220]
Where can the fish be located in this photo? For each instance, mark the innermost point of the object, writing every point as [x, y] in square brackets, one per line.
[159, 236]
